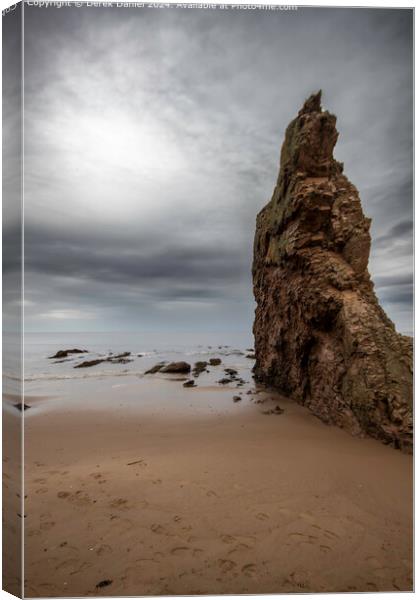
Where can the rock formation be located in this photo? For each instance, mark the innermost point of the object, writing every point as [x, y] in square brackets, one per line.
[321, 336]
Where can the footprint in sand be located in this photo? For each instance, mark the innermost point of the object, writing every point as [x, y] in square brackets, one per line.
[296, 535]
[303, 538]
[298, 580]
[79, 498]
[250, 570]
[226, 565]
[95, 475]
[262, 516]
[211, 493]
[40, 480]
[325, 548]
[63, 494]
[42, 490]
[228, 539]
[239, 548]
[331, 534]
[47, 525]
[371, 587]
[121, 524]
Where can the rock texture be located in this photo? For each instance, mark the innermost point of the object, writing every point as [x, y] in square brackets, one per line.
[321, 336]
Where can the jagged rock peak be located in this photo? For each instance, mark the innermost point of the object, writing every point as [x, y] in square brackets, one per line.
[309, 143]
[312, 104]
[321, 336]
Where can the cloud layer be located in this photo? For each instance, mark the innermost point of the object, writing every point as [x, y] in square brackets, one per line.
[153, 139]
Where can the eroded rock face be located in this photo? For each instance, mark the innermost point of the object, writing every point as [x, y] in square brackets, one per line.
[320, 335]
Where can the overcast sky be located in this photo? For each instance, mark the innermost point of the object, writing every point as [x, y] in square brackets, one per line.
[152, 140]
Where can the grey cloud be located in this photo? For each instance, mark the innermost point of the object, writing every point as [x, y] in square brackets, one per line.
[404, 230]
[153, 140]
[135, 264]
[401, 295]
[385, 281]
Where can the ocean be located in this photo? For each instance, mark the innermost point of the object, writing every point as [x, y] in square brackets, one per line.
[44, 375]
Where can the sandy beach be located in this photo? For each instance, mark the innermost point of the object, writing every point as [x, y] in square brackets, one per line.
[188, 492]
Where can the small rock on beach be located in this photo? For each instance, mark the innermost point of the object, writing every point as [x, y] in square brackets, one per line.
[190, 383]
[177, 367]
[65, 353]
[214, 362]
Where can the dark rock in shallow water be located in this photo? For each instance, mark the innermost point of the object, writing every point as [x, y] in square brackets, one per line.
[251, 356]
[214, 362]
[120, 358]
[231, 372]
[199, 367]
[224, 381]
[177, 367]
[321, 336]
[121, 361]
[90, 363]
[65, 353]
[190, 383]
[114, 359]
[19, 406]
[236, 398]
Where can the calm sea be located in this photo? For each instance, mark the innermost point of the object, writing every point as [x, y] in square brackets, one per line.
[146, 350]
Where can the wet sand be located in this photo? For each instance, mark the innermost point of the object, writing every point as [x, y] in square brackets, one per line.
[187, 492]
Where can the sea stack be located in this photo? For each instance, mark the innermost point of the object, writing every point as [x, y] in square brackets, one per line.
[321, 336]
